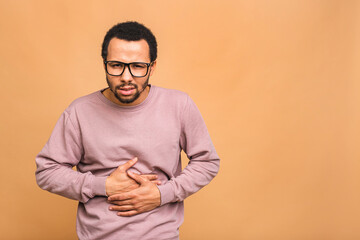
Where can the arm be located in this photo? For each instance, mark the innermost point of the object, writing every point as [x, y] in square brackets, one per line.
[204, 161]
[54, 164]
[63, 151]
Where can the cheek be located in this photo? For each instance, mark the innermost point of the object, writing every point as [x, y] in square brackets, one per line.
[110, 82]
[140, 82]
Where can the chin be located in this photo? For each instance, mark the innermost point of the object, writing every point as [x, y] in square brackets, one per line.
[128, 100]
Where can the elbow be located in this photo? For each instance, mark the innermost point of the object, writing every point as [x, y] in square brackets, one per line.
[44, 171]
[216, 168]
[40, 180]
[213, 168]
[42, 176]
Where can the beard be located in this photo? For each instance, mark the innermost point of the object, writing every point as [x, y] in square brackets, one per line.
[127, 99]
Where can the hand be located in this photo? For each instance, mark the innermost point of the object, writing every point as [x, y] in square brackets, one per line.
[142, 199]
[120, 182]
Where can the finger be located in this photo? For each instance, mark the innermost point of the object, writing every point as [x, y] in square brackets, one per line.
[138, 178]
[121, 208]
[121, 203]
[127, 165]
[156, 182]
[149, 176]
[121, 196]
[127, 213]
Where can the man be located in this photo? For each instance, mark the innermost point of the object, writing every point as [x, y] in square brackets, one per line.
[125, 141]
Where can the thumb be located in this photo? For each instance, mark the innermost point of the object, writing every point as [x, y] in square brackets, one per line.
[139, 179]
[127, 165]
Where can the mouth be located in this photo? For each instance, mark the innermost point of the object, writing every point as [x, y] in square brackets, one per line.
[128, 90]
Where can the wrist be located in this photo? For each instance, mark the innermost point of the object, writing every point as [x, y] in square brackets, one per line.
[98, 186]
[107, 186]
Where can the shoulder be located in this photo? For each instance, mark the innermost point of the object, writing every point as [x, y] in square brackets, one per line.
[176, 101]
[87, 99]
[171, 95]
[82, 103]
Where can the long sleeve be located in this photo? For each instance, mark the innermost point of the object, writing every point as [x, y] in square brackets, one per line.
[204, 161]
[97, 136]
[54, 164]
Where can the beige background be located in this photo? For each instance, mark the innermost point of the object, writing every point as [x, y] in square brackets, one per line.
[277, 82]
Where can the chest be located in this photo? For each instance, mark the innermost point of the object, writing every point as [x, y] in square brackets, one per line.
[112, 139]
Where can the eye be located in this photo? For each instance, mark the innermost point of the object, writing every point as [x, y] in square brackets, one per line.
[116, 65]
[138, 65]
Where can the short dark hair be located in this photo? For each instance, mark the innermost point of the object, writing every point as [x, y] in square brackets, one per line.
[130, 31]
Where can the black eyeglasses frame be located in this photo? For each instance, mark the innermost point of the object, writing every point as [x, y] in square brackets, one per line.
[128, 66]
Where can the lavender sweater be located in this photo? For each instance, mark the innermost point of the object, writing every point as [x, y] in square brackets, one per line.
[97, 135]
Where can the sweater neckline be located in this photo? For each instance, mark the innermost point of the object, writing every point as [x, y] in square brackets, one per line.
[139, 106]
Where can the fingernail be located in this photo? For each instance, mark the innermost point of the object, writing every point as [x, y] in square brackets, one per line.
[110, 208]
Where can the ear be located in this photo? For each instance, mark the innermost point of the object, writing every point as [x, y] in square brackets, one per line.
[104, 66]
[152, 67]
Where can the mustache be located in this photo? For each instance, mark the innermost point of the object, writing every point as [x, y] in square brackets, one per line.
[126, 85]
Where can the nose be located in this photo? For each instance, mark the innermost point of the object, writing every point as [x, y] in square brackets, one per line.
[126, 75]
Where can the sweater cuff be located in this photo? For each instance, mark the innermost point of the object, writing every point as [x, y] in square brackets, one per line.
[98, 186]
[166, 193]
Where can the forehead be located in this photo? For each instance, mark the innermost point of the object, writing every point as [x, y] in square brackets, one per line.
[128, 51]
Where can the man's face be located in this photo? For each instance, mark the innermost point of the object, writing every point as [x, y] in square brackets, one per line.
[129, 90]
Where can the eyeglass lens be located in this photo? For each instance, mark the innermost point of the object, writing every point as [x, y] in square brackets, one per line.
[136, 69]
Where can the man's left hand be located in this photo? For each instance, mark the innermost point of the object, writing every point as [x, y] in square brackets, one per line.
[142, 199]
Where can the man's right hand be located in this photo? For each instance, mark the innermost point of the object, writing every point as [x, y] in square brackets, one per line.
[120, 182]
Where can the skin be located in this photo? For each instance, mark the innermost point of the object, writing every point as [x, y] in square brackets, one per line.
[130, 193]
[142, 199]
[128, 51]
[120, 182]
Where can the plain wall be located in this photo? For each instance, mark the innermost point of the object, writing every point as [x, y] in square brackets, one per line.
[276, 81]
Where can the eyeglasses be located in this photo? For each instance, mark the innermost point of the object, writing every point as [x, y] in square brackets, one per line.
[136, 69]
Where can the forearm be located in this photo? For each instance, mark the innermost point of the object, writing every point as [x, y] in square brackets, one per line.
[62, 180]
[195, 176]
[204, 161]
